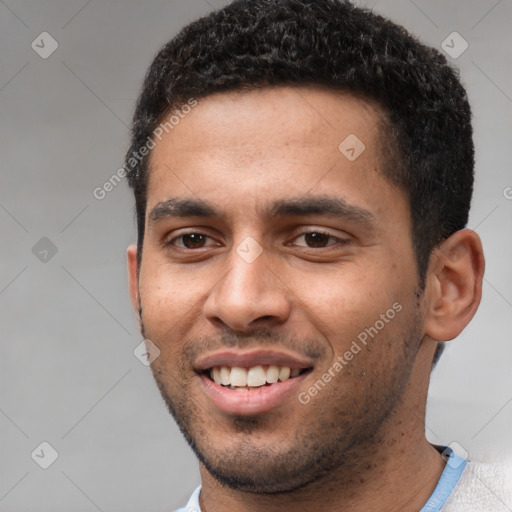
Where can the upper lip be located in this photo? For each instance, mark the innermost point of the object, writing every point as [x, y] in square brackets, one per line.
[250, 358]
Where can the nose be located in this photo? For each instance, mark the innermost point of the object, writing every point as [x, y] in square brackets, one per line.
[249, 295]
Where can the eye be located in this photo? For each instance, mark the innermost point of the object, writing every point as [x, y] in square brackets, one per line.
[318, 240]
[191, 241]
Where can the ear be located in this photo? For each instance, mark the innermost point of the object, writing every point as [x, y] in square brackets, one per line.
[454, 285]
[133, 280]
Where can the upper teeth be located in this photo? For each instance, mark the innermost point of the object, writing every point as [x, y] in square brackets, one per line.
[252, 377]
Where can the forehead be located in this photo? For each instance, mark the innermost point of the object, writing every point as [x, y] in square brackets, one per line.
[270, 144]
[250, 120]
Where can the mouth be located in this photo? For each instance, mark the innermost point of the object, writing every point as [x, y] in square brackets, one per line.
[238, 378]
[251, 382]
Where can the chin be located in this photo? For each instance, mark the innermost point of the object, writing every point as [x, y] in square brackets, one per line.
[260, 471]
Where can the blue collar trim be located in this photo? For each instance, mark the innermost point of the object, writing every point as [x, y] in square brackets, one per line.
[453, 470]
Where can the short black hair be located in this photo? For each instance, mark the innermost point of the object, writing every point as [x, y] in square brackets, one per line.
[251, 44]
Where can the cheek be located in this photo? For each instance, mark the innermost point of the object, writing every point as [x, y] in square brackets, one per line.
[364, 316]
[170, 288]
[348, 299]
[167, 303]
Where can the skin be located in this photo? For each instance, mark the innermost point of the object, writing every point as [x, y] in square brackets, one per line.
[359, 444]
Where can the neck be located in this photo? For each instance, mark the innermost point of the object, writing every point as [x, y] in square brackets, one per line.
[398, 470]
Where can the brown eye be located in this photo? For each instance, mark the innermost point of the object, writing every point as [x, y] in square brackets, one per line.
[190, 241]
[316, 239]
[193, 240]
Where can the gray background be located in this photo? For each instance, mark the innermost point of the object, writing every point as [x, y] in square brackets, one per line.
[67, 369]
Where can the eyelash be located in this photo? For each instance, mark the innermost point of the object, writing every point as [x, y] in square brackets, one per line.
[340, 241]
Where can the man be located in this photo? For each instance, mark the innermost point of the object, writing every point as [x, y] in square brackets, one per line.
[303, 172]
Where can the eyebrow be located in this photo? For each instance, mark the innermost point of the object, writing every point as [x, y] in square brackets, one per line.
[181, 208]
[321, 205]
[299, 207]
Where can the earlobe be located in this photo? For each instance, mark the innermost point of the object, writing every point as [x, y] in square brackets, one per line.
[454, 285]
[133, 280]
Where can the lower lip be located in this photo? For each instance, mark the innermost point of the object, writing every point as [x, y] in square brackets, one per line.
[257, 401]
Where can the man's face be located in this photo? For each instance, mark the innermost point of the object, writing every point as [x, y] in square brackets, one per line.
[268, 248]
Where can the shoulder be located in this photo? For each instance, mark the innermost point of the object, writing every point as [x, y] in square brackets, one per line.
[482, 487]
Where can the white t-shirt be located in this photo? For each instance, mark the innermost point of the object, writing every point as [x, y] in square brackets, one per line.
[464, 486]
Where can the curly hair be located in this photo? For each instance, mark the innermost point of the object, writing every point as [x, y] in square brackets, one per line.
[252, 44]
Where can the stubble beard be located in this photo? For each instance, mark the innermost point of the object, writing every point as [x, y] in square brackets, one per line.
[340, 435]
[337, 437]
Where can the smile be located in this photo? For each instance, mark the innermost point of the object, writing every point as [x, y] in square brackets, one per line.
[246, 379]
[251, 382]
